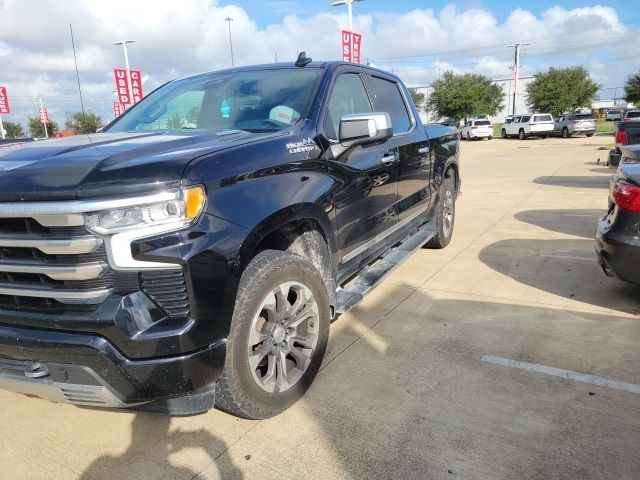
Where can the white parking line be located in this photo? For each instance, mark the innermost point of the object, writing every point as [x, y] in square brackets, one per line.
[568, 257]
[558, 372]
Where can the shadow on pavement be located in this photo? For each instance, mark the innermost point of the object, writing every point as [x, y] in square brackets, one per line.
[575, 181]
[578, 222]
[152, 442]
[411, 398]
[567, 268]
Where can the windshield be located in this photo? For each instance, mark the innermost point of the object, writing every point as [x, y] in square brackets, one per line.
[482, 122]
[255, 101]
[633, 114]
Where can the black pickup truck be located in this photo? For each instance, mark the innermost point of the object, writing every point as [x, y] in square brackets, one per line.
[195, 252]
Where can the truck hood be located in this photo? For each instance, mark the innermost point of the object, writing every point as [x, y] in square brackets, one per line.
[104, 164]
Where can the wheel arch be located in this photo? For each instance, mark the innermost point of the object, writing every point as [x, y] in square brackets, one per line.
[291, 229]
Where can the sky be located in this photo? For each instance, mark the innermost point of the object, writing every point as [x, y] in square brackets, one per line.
[417, 40]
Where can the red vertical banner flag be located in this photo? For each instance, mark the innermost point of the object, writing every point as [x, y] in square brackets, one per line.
[44, 115]
[356, 40]
[122, 85]
[136, 85]
[346, 46]
[4, 101]
[118, 109]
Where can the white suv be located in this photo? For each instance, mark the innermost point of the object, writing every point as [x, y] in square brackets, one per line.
[529, 125]
[478, 128]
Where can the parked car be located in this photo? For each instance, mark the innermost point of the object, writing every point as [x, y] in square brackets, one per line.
[617, 241]
[627, 133]
[477, 128]
[567, 125]
[631, 116]
[613, 115]
[14, 141]
[447, 122]
[163, 267]
[530, 125]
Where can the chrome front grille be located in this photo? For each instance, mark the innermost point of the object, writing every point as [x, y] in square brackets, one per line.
[45, 267]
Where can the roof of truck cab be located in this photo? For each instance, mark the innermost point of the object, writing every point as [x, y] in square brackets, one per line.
[288, 65]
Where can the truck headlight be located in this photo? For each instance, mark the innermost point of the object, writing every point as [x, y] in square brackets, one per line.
[181, 210]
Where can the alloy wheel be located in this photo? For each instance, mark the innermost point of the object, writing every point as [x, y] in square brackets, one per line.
[283, 337]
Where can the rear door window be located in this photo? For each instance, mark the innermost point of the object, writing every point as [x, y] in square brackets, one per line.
[525, 119]
[387, 98]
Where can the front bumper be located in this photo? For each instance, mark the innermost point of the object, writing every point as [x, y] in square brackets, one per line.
[88, 370]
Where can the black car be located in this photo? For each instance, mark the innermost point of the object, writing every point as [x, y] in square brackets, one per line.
[617, 238]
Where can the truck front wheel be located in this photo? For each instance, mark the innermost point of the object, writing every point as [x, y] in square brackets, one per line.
[278, 336]
[445, 215]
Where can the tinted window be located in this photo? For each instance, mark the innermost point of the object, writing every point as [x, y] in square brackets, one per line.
[633, 114]
[348, 96]
[387, 98]
[542, 118]
[584, 116]
[525, 119]
[253, 100]
[482, 122]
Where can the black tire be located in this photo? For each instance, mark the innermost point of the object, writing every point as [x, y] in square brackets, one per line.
[238, 392]
[443, 235]
[503, 133]
[490, 137]
[565, 133]
[590, 134]
[545, 137]
[521, 134]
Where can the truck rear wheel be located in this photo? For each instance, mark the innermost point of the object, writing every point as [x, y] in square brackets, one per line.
[445, 215]
[278, 336]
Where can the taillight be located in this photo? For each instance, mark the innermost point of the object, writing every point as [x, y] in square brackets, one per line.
[626, 196]
[622, 138]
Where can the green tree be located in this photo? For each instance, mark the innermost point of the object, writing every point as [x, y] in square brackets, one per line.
[632, 89]
[192, 116]
[463, 96]
[14, 130]
[418, 98]
[561, 90]
[36, 128]
[85, 123]
[175, 121]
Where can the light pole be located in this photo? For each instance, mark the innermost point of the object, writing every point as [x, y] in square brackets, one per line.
[229, 20]
[46, 131]
[517, 72]
[349, 4]
[126, 66]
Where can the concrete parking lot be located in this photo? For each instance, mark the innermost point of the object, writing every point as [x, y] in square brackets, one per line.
[404, 392]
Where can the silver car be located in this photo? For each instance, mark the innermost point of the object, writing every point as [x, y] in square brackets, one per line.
[567, 125]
